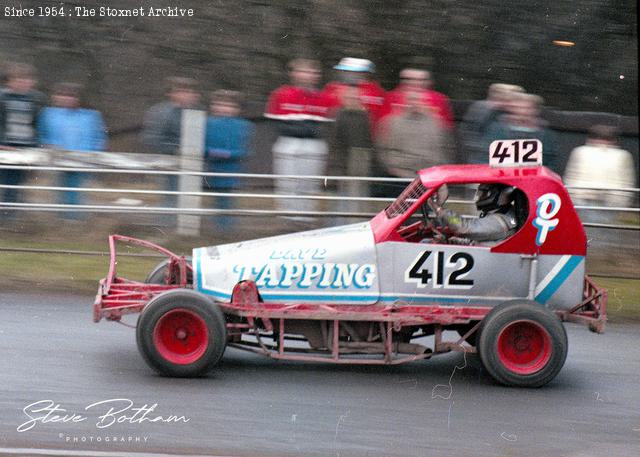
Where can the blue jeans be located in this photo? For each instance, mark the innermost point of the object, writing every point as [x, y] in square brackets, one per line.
[222, 222]
[12, 178]
[168, 183]
[71, 179]
[222, 184]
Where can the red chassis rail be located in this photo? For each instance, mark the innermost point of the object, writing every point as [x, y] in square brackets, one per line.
[249, 316]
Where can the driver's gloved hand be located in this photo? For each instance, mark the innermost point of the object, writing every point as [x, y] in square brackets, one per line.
[461, 241]
[439, 238]
[448, 218]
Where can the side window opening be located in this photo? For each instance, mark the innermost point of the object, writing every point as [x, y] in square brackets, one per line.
[521, 205]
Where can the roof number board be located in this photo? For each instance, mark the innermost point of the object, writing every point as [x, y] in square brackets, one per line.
[515, 153]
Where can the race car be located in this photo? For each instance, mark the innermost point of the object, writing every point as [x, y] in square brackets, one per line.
[386, 291]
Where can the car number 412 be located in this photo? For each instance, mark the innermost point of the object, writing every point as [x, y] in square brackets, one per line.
[515, 153]
[441, 270]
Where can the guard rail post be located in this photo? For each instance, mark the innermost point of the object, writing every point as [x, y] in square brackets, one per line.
[192, 140]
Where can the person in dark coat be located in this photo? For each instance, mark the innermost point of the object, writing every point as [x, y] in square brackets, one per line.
[20, 105]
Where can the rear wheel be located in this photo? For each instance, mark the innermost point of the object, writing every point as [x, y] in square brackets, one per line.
[181, 333]
[159, 274]
[522, 344]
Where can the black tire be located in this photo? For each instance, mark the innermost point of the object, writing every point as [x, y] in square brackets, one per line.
[522, 343]
[159, 273]
[181, 333]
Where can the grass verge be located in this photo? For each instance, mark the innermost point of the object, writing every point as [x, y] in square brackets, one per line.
[624, 298]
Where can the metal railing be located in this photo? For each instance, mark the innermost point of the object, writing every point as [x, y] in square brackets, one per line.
[53, 207]
[266, 193]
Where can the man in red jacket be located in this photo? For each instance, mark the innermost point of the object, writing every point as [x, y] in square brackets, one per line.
[299, 110]
[415, 80]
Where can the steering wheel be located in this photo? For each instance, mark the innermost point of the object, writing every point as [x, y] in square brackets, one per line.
[430, 226]
[426, 220]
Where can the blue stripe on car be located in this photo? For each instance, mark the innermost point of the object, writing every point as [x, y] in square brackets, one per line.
[562, 275]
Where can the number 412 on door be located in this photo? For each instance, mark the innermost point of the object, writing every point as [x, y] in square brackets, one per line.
[440, 270]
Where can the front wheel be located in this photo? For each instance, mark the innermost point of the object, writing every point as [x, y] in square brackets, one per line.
[522, 344]
[181, 333]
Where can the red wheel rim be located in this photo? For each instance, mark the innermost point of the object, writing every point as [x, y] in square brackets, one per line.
[181, 336]
[524, 347]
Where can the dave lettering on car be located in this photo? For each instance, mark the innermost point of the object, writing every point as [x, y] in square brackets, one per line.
[382, 291]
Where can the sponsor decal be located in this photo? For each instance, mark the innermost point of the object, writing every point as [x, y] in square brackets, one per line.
[548, 207]
[320, 275]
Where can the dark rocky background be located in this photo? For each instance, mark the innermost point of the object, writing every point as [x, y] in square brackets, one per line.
[245, 44]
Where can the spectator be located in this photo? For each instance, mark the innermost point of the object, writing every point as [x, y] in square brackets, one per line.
[353, 148]
[480, 115]
[162, 127]
[411, 141]
[352, 72]
[299, 110]
[418, 81]
[603, 164]
[20, 104]
[67, 126]
[413, 80]
[162, 123]
[228, 143]
[523, 121]
[360, 101]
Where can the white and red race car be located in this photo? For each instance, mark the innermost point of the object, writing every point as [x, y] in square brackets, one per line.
[377, 292]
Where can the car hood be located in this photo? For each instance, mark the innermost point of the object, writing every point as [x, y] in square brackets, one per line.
[333, 265]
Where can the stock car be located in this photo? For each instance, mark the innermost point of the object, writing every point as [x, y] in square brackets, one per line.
[378, 292]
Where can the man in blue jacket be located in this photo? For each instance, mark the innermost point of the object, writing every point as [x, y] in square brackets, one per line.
[67, 126]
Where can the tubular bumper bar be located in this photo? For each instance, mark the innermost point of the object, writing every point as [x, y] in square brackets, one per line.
[592, 311]
[117, 296]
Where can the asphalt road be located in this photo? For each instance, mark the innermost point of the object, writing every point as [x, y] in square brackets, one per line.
[253, 406]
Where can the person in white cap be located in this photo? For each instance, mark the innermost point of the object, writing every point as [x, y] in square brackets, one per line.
[359, 101]
[353, 72]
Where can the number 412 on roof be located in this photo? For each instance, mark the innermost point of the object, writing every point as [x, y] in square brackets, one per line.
[515, 153]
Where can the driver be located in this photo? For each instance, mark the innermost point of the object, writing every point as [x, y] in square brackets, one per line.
[497, 215]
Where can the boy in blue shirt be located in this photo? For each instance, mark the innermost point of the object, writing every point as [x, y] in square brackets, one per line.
[68, 127]
[228, 143]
